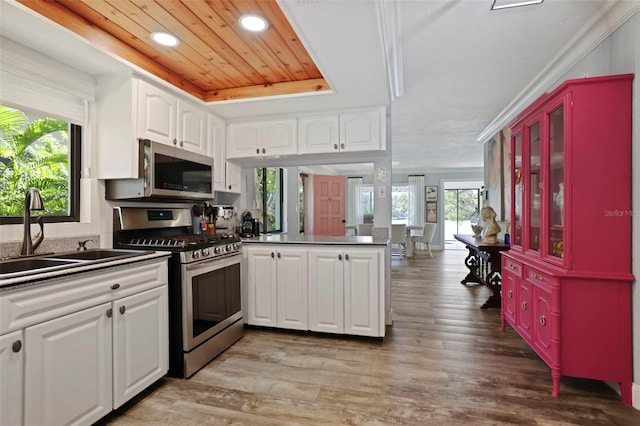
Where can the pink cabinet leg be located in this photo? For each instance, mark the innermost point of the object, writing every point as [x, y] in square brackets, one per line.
[556, 384]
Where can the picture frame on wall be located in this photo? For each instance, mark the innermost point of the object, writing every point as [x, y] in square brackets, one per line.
[431, 193]
[432, 212]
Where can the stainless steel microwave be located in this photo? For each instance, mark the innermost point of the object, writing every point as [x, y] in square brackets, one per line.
[166, 172]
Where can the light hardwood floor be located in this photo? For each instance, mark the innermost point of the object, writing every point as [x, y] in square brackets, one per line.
[444, 362]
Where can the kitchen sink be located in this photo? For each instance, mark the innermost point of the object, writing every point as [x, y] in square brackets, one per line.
[98, 254]
[28, 265]
[31, 263]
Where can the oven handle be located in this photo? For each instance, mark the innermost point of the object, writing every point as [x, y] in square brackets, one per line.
[218, 262]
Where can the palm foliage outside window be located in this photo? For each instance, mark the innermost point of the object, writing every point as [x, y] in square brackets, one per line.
[41, 152]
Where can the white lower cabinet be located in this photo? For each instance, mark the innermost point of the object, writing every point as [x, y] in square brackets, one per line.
[68, 369]
[277, 287]
[11, 378]
[140, 343]
[83, 345]
[319, 289]
[346, 291]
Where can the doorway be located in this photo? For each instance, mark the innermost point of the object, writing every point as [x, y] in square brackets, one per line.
[461, 203]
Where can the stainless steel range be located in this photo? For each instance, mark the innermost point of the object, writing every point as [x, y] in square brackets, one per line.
[205, 282]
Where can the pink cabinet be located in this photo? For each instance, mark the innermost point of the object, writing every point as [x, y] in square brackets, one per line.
[567, 278]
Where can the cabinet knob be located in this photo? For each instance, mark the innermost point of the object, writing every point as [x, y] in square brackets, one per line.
[16, 346]
[510, 294]
[524, 305]
[279, 255]
[115, 286]
[122, 309]
[341, 146]
[109, 313]
[175, 141]
[543, 320]
[272, 255]
[339, 257]
[335, 146]
[181, 143]
[346, 257]
[264, 150]
[229, 187]
[257, 150]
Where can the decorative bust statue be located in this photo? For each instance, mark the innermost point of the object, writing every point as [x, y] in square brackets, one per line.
[492, 228]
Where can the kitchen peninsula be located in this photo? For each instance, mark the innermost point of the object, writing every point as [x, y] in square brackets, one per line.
[328, 284]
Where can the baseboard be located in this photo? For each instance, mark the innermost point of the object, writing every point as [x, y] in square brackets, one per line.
[635, 395]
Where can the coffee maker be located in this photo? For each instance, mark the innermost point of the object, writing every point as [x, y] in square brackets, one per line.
[224, 218]
[250, 226]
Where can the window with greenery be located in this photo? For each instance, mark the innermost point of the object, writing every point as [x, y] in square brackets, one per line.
[459, 207]
[41, 152]
[400, 204]
[269, 194]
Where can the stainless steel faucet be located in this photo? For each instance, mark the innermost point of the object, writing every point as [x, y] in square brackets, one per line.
[32, 201]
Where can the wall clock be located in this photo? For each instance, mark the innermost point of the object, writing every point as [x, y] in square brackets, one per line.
[381, 173]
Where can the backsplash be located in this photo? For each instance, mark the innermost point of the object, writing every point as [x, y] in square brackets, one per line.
[50, 245]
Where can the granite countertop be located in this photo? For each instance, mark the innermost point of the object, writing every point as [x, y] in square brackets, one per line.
[37, 278]
[316, 239]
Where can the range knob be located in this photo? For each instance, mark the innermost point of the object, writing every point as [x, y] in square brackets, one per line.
[205, 252]
[218, 250]
[236, 246]
[195, 254]
[229, 247]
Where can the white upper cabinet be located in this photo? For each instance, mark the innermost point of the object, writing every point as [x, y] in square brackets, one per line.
[343, 132]
[361, 131]
[129, 109]
[263, 138]
[217, 149]
[192, 127]
[157, 111]
[319, 134]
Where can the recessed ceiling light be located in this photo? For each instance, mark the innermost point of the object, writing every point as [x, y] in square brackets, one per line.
[253, 23]
[165, 39]
[506, 4]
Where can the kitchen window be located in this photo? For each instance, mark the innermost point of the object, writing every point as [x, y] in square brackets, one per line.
[269, 196]
[42, 152]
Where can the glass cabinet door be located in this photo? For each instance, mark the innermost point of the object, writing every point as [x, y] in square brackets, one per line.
[516, 227]
[535, 185]
[555, 194]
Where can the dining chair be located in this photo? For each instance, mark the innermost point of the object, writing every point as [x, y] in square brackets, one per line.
[399, 238]
[364, 229]
[427, 235]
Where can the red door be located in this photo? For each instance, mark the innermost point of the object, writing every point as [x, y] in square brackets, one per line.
[328, 205]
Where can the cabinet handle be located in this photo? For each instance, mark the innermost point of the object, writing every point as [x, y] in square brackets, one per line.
[510, 294]
[536, 276]
[263, 150]
[109, 313]
[115, 286]
[181, 143]
[272, 255]
[341, 146]
[339, 257]
[335, 146]
[257, 150]
[524, 305]
[122, 309]
[175, 141]
[346, 257]
[541, 185]
[543, 320]
[16, 346]
[512, 266]
[229, 186]
[279, 255]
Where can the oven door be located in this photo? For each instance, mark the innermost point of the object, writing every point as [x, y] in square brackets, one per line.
[211, 298]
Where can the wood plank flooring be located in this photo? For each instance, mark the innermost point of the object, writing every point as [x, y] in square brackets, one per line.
[444, 362]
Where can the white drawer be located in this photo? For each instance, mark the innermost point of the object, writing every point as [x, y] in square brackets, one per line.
[24, 307]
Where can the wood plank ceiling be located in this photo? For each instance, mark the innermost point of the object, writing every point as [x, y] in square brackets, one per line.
[216, 59]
